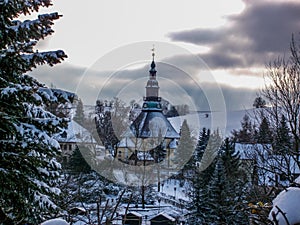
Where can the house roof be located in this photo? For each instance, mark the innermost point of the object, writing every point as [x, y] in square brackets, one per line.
[126, 143]
[269, 164]
[252, 151]
[142, 155]
[74, 133]
[165, 215]
[135, 214]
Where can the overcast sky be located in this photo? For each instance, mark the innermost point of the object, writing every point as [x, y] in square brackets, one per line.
[235, 39]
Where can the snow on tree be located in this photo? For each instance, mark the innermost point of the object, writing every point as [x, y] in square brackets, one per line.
[28, 167]
[185, 147]
[286, 207]
[57, 221]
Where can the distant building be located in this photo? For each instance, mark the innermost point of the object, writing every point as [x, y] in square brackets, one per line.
[264, 167]
[72, 137]
[162, 219]
[151, 137]
[133, 218]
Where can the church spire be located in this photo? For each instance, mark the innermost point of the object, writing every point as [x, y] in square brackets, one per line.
[153, 70]
[152, 84]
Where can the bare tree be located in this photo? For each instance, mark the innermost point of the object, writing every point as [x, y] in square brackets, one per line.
[282, 92]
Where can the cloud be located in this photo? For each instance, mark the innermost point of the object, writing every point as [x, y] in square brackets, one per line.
[176, 86]
[260, 33]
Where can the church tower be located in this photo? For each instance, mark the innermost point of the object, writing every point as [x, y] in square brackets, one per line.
[151, 122]
[152, 88]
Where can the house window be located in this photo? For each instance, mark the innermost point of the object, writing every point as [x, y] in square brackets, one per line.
[65, 147]
[70, 147]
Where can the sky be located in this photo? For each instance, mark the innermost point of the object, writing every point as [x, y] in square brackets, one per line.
[233, 41]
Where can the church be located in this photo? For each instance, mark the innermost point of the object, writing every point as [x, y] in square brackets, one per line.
[152, 137]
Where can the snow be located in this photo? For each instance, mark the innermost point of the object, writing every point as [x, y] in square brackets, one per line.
[288, 202]
[57, 221]
[75, 134]
[165, 215]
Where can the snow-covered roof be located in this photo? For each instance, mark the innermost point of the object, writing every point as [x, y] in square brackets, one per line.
[126, 143]
[152, 124]
[144, 156]
[136, 214]
[252, 151]
[57, 221]
[270, 165]
[74, 133]
[164, 215]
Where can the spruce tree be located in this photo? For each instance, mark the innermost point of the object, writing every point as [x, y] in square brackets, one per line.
[79, 114]
[206, 150]
[77, 162]
[28, 168]
[283, 143]
[247, 132]
[185, 147]
[264, 132]
[226, 189]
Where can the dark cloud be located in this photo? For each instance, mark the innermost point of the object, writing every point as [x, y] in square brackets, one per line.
[261, 32]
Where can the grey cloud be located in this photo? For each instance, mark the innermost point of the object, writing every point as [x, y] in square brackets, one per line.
[252, 38]
[130, 84]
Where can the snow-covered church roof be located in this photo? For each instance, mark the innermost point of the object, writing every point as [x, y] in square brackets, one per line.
[152, 124]
[74, 133]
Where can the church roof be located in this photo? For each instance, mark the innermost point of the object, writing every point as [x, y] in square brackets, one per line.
[153, 124]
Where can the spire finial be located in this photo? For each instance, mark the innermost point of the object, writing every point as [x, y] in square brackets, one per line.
[153, 53]
[152, 70]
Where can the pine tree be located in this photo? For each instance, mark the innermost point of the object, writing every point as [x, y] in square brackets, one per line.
[264, 132]
[28, 168]
[79, 115]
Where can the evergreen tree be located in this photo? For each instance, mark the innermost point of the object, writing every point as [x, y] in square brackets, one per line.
[185, 147]
[28, 168]
[247, 133]
[77, 161]
[227, 188]
[206, 151]
[219, 191]
[264, 132]
[231, 158]
[283, 143]
[259, 102]
[201, 144]
[79, 115]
